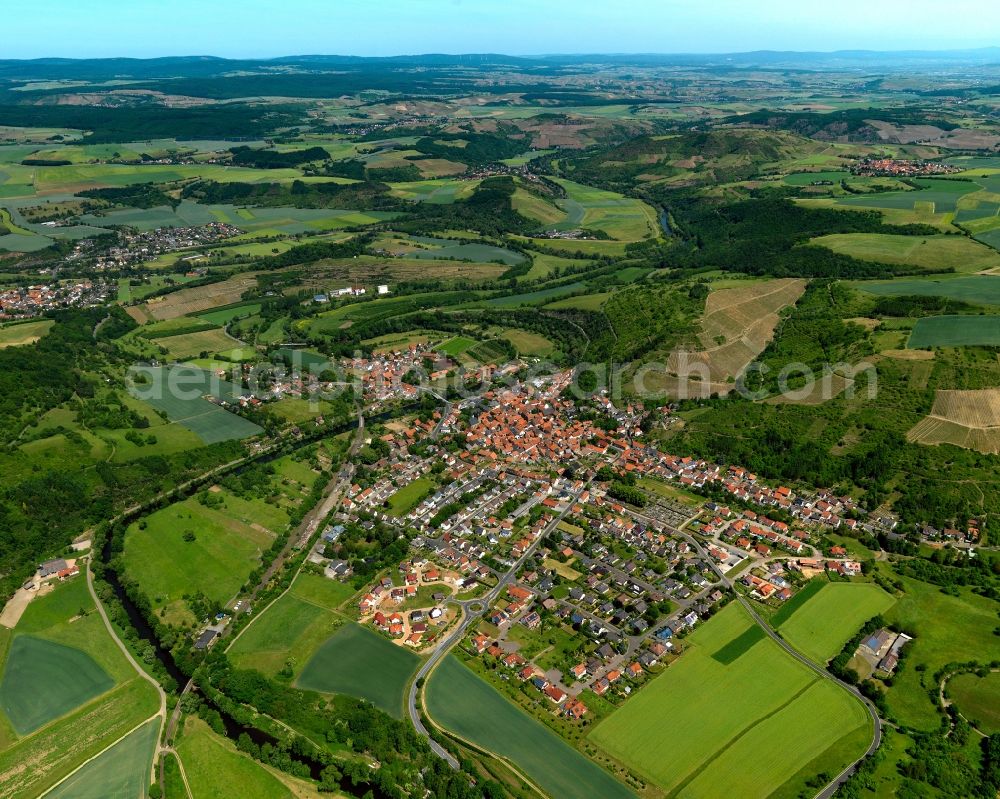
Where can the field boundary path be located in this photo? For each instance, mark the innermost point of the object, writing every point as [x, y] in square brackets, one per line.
[160, 714]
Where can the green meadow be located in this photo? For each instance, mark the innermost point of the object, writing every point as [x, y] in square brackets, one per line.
[293, 627]
[832, 616]
[359, 662]
[227, 545]
[121, 771]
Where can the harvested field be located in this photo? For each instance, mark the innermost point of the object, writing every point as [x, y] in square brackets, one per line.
[967, 419]
[201, 298]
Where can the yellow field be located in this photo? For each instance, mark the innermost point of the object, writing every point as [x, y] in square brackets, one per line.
[967, 419]
[27, 333]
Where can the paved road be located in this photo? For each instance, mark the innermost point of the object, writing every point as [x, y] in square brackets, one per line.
[841, 778]
[472, 611]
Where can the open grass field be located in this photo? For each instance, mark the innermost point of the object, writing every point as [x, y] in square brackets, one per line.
[622, 218]
[215, 768]
[457, 345]
[180, 393]
[543, 211]
[528, 344]
[122, 772]
[26, 333]
[968, 419]
[191, 345]
[57, 659]
[226, 315]
[409, 496]
[189, 301]
[936, 252]
[442, 191]
[955, 331]
[293, 628]
[44, 680]
[978, 699]
[33, 764]
[763, 720]
[820, 628]
[543, 265]
[358, 662]
[459, 701]
[591, 247]
[976, 289]
[227, 546]
[947, 629]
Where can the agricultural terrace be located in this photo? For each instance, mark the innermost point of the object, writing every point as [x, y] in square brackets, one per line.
[66, 691]
[978, 699]
[946, 629]
[216, 768]
[189, 549]
[120, 772]
[745, 718]
[955, 331]
[821, 626]
[528, 344]
[736, 327]
[459, 701]
[968, 419]
[934, 252]
[976, 289]
[189, 301]
[290, 631]
[361, 663]
[622, 218]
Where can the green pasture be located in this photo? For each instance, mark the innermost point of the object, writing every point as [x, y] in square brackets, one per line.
[15, 335]
[535, 297]
[941, 195]
[227, 546]
[975, 289]
[292, 628]
[216, 769]
[832, 616]
[358, 662]
[946, 629]
[409, 496]
[928, 252]
[978, 699]
[622, 218]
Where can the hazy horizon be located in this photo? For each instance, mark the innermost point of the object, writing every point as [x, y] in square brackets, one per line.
[252, 29]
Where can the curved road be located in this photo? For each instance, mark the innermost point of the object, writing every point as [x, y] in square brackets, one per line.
[841, 778]
[470, 615]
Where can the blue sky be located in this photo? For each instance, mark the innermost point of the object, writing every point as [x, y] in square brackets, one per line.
[254, 28]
